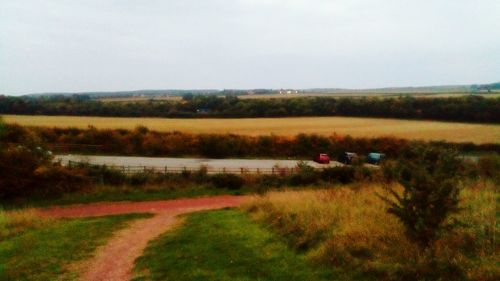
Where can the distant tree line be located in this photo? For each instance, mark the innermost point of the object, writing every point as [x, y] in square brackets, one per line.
[142, 141]
[463, 109]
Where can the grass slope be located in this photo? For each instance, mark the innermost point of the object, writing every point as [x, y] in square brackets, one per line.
[223, 245]
[46, 253]
[356, 127]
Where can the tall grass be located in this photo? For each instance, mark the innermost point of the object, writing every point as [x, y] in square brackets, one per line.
[13, 223]
[349, 228]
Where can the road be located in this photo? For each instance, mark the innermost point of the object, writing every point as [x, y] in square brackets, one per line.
[189, 163]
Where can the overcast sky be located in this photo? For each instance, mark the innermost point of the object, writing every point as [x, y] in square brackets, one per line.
[104, 45]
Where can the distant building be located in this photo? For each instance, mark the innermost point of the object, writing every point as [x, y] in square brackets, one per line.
[288, 91]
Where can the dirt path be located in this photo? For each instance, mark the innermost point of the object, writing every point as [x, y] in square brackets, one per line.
[115, 260]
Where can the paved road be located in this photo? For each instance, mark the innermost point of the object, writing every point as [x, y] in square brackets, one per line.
[192, 163]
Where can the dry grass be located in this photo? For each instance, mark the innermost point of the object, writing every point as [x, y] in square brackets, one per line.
[356, 127]
[12, 223]
[349, 228]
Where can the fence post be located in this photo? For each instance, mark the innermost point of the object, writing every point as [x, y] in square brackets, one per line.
[166, 169]
[272, 170]
[224, 170]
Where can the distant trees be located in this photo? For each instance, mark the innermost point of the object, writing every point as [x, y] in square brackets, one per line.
[464, 109]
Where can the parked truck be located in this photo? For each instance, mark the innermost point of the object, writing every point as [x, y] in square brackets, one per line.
[375, 158]
[322, 158]
[348, 157]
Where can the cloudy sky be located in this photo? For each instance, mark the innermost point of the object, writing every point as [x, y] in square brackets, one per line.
[105, 45]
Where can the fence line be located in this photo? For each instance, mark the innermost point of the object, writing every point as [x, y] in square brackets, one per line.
[129, 170]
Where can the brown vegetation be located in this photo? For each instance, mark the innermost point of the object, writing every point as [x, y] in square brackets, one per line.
[142, 141]
[349, 228]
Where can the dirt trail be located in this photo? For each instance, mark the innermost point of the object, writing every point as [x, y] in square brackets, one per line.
[115, 260]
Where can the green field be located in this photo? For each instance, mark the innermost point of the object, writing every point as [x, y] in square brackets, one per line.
[356, 127]
[224, 246]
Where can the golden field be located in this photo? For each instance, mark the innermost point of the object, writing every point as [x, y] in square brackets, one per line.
[356, 127]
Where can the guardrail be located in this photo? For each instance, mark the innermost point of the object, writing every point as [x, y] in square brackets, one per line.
[130, 170]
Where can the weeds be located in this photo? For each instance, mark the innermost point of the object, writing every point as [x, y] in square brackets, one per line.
[349, 228]
[13, 223]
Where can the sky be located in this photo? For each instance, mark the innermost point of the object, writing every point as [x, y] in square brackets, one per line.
[112, 45]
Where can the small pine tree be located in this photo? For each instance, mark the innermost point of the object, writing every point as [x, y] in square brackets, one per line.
[431, 193]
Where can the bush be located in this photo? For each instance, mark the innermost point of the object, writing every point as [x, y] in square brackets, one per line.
[201, 176]
[430, 192]
[230, 181]
[139, 178]
[489, 166]
[17, 171]
[25, 172]
[57, 180]
[342, 175]
[105, 175]
[271, 181]
[306, 175]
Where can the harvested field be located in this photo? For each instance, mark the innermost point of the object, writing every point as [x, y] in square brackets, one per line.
[356, 127]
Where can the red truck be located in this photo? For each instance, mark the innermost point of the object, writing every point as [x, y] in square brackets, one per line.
[322, 158]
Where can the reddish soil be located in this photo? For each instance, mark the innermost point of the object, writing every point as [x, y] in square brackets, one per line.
[115, 260]
[114, 208]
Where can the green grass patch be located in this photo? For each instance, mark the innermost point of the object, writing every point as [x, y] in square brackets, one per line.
[46, 253]
[223, 245]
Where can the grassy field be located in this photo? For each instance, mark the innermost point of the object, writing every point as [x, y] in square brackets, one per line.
[41, 249]
[356, 127]
[348, 228]
[224, 246]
